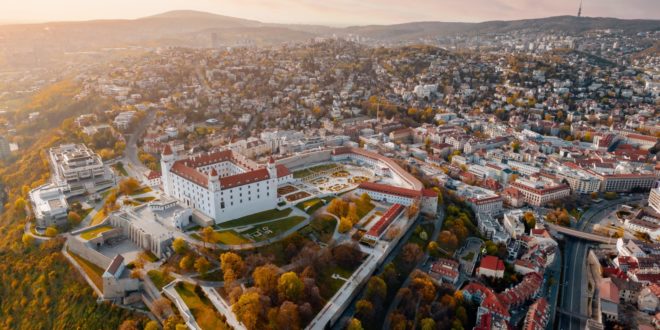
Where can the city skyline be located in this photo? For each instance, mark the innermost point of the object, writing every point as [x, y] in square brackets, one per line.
[333, 13]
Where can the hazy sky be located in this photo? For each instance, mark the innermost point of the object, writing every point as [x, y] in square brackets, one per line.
[332, 12]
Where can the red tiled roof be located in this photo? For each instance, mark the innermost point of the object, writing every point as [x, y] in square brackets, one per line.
[429, 193]
[167, 150]
[282, 171]
[181, 169]
[492, 263]
[392, 190]
[153, 175]
[387, 218]
[244, 178]
[211, 158]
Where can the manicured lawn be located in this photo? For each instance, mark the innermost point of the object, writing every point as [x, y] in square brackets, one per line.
[256, 218]
[215, 275]
[310, 206]
[301, 173]
[84, 213]
[120, 168]
[228, 237]
[202, 309]
[328, 285]
[98, 217]
[362, 210]
[322, 227]
[92, 233]
[319, 168]
[93, 271]
[159, 278]
[275, 228]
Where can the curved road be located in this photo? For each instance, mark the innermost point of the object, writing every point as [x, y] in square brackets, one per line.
[134, 166]
[574, 297]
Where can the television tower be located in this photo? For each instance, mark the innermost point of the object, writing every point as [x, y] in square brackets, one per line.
[580, 10]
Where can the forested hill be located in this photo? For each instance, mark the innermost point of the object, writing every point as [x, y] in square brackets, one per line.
[39, 289]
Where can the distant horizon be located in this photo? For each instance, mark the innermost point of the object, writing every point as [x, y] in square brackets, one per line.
[20, 22]
[334, 13]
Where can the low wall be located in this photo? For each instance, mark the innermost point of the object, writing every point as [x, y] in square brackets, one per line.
[305, 159]
[82, 249]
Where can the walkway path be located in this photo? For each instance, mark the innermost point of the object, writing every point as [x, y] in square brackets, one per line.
[223, 308]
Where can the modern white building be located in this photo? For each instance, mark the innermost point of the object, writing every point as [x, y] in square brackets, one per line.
[513, 223]
[221, 185]
[654, 199]
[49, 205]
[79, 168]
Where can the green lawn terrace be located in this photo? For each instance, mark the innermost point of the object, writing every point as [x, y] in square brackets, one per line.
[94, 232]
[205, 314]
[255, 228]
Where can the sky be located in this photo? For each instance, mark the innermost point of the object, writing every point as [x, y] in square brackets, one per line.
[327, 12]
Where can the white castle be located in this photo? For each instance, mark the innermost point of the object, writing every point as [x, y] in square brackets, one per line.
[221, 185]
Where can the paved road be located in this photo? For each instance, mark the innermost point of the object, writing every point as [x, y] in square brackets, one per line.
[134, 166]
[574, 287]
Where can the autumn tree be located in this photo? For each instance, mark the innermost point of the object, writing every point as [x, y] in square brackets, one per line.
[129, 186]
[27, 239]
[266, 278]
[51, 232]
[207, 235]
[289, 286]
[286, 316]
[364, 310]
[354, 324]
[232, 266]
[202, 265]
[129, 325]
[411, 255]
[20, 204]
[161, 307]
[152, 325]
[248, 309]
[73, 218]
[186, 263]
[344, 225]
[376, 290]
[428, 324]
[179, 245]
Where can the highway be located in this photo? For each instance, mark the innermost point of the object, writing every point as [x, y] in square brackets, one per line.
[574, 286]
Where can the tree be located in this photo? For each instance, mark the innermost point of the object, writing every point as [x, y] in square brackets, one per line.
[207, 235]
[411, 254]
[265, 279]
[179, 245]
[129, 186]
[248, 309]
[338, 207]
[152, 325]
[186, 263]
[232, 266]
[354, 324]
[51, 232]
[202, 265]
[129, 325]
[347, 255]
[352, 214]
[428, 324]
[27, 239]
[20, 204]
[344, 225]
[376, 289]
[364, 310]
[287, 316]
[161, 307]
[290, 287]
[73, 218]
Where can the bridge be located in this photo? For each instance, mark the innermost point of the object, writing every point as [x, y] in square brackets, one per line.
[581, 235]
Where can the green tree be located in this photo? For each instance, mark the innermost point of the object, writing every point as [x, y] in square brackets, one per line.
[290, 287]
[376, 289]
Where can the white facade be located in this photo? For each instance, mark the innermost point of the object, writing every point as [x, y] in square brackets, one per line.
[222, 186]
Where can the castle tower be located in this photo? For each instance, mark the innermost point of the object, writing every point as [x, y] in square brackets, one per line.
[214, 181]
[272, 170]
[167, 159]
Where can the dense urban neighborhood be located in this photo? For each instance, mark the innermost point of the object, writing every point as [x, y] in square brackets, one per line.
[503, 180]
